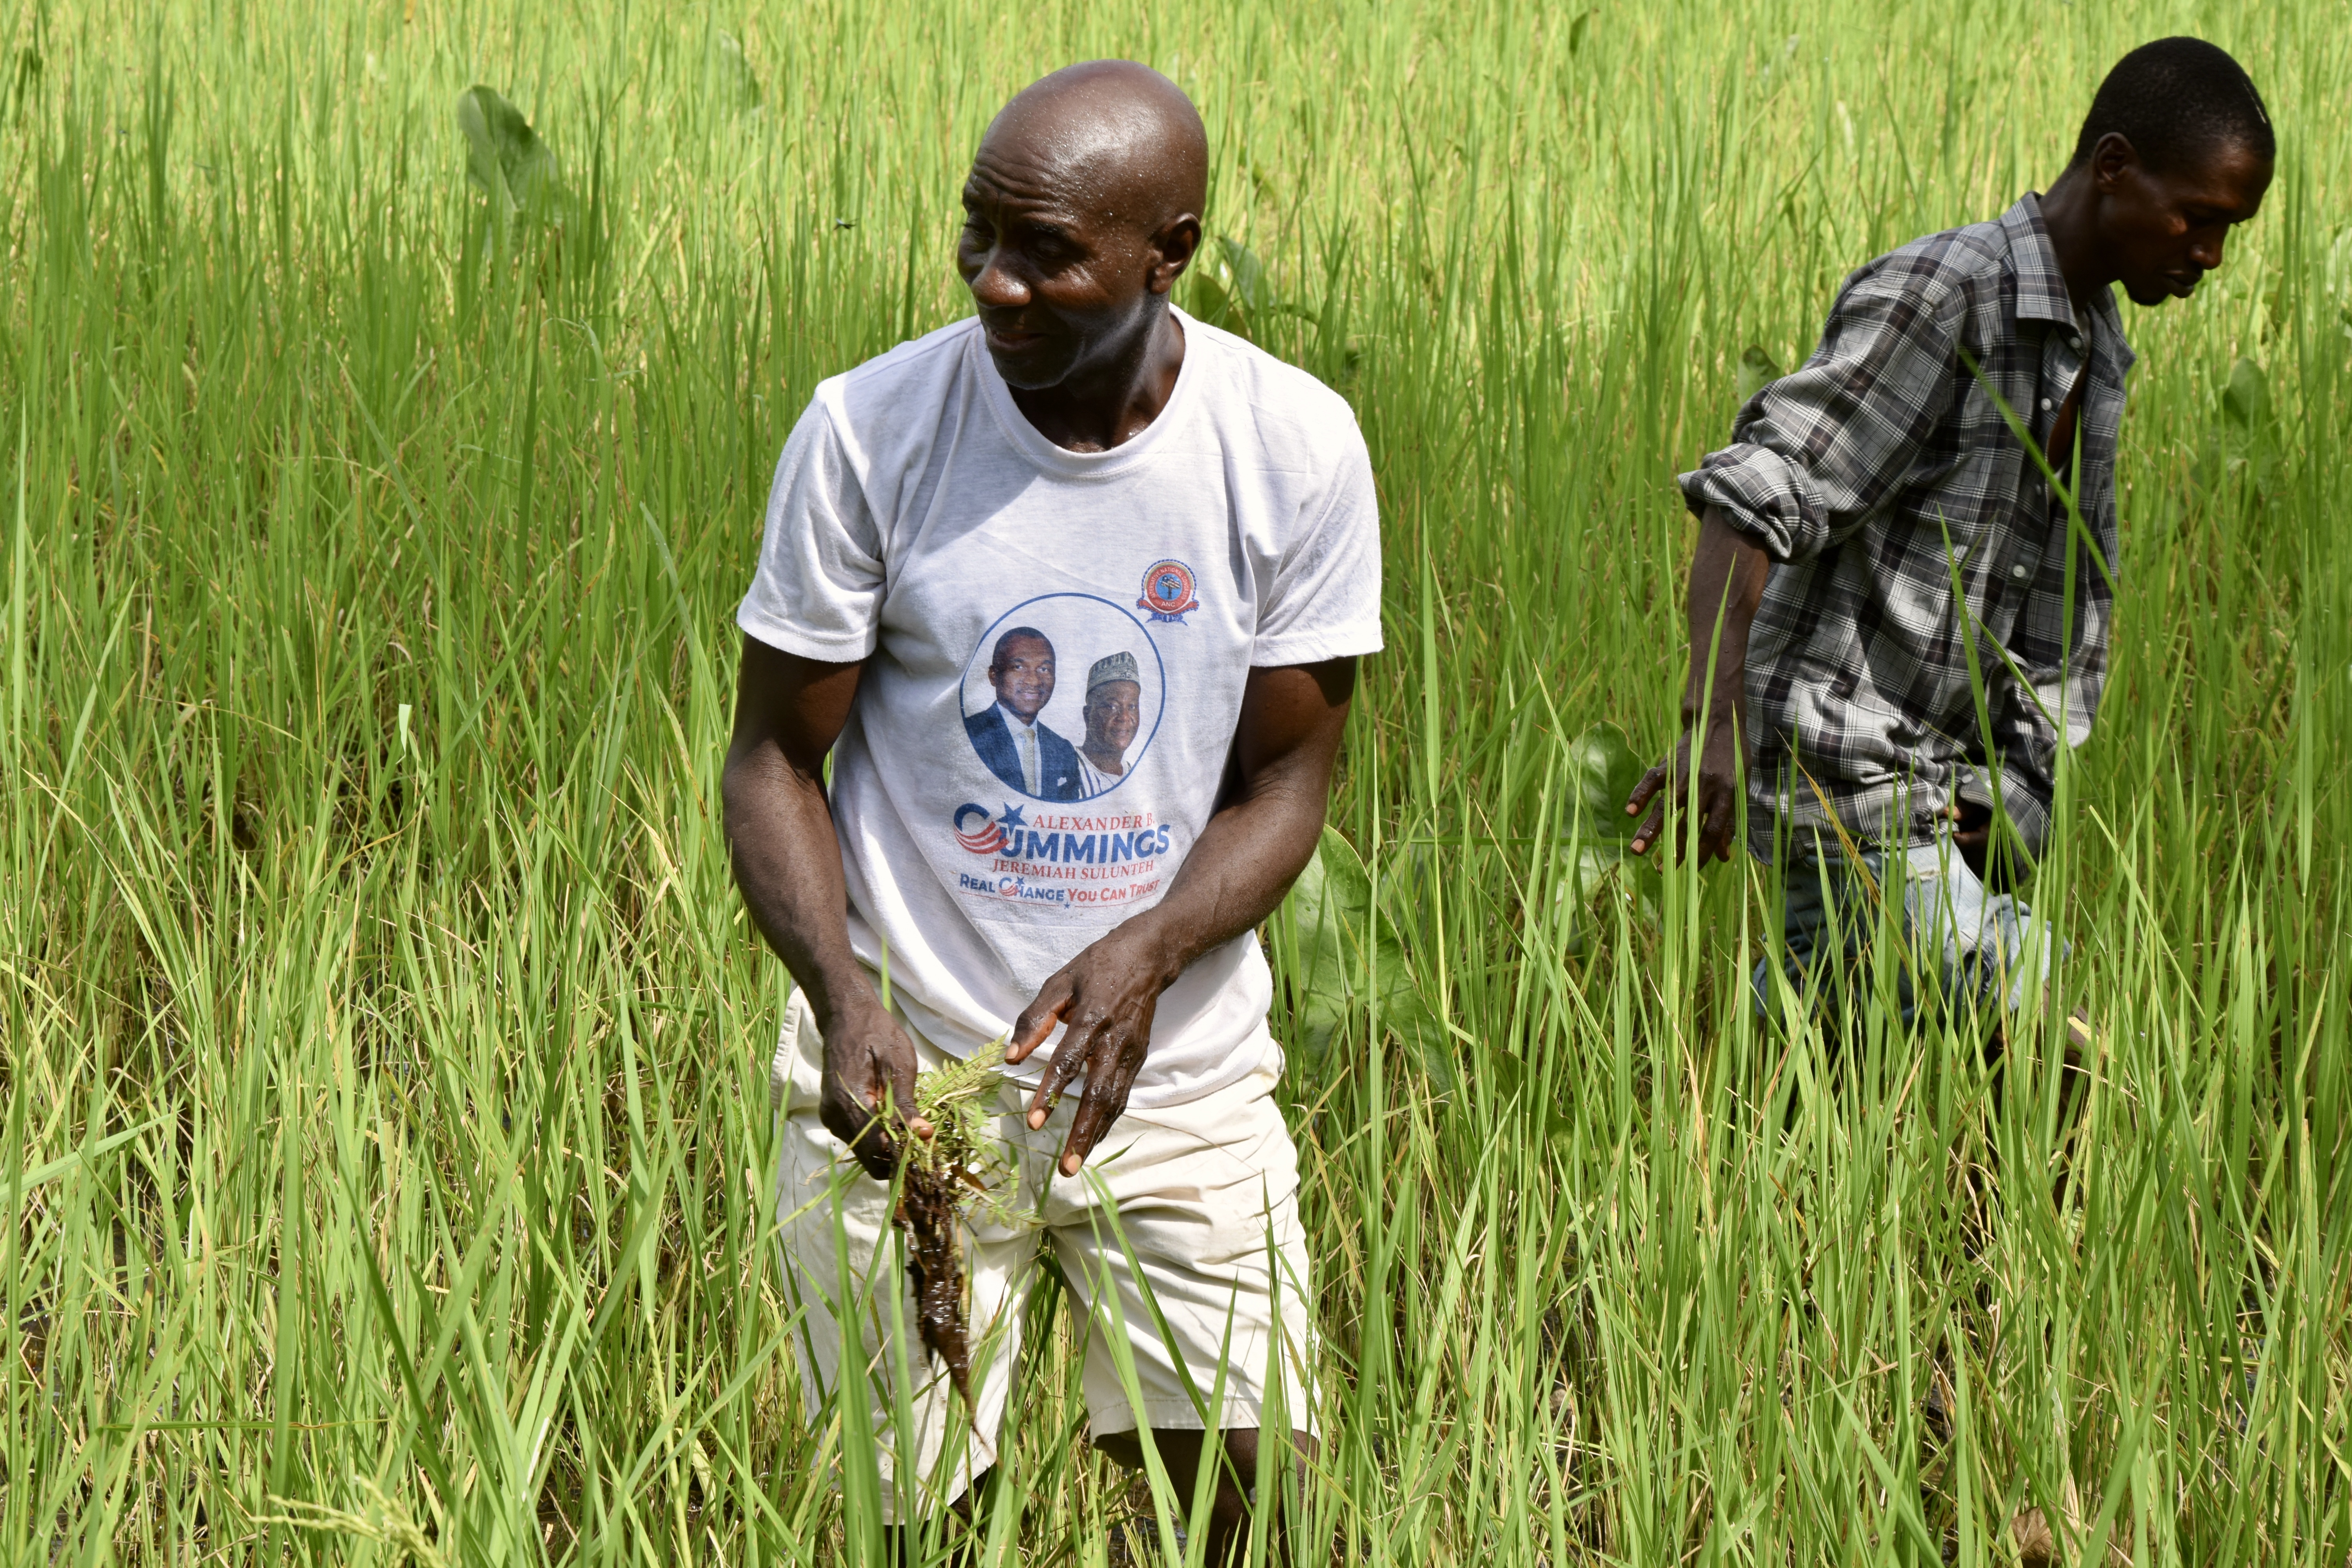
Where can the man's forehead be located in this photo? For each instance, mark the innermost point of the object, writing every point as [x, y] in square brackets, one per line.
[2230, 179]
[1041, 193]
[1093, 139]
[1064, 176]
[1027, 647]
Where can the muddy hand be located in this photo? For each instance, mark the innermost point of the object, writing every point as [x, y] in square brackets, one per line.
[1105, 999]
[869, 1089]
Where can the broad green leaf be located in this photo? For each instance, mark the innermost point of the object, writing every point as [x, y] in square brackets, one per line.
[1604, 768]
[1230, 290]
[1757, 371]
[1245, 275]
[1343, 958]
[731, 77]
[503, 154]
[2246, 400]
[1597, 833]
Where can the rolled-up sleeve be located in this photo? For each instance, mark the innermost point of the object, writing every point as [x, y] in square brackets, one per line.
[1819, 452]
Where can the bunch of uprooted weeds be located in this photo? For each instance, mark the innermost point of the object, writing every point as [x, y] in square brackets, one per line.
[941, 1180]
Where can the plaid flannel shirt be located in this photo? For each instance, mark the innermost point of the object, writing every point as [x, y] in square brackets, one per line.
[1856, 471]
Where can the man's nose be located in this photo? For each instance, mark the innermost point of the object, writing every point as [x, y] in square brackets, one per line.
[2206, 249]
[996, 287]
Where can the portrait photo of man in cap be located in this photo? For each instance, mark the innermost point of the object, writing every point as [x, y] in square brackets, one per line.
[1114, 710]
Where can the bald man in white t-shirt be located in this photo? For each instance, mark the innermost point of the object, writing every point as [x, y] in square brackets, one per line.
[1077, 467]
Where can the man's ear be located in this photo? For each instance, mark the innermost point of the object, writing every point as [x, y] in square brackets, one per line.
[2112, 159]
[1173, 247]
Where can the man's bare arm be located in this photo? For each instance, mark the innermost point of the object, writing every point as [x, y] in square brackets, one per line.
[1235, 877]
[789, 710]
[1728, 572]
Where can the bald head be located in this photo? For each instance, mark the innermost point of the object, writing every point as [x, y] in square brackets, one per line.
[1114, 137]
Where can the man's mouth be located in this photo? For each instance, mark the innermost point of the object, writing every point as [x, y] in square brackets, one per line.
[1011, 339]
[2182, 284]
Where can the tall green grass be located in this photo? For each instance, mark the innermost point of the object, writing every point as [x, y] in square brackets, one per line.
[386, 1138]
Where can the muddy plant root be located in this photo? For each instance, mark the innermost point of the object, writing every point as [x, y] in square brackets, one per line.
[945, 1177]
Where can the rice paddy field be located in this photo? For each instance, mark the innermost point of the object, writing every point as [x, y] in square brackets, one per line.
[386, 1132]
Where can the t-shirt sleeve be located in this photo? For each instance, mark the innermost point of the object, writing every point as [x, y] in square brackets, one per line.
[818, 589]
[1325, 598]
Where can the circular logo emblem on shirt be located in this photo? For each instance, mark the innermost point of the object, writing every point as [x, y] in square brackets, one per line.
[1168, 591]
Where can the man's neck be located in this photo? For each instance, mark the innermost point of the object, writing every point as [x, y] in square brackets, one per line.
[1109, 762]
[2070, 215]
[1109, 404]
[1012, 717]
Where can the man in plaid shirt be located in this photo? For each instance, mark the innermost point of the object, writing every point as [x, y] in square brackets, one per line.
[1901, 613]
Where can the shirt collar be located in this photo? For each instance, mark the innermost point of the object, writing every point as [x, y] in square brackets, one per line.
[1015, 720]
[2041, 287]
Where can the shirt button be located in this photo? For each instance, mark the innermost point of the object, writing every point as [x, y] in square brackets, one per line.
[2019, 571]
[2045, 405]
[2074, 344]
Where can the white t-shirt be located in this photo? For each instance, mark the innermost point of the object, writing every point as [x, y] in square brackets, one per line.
[918, 515]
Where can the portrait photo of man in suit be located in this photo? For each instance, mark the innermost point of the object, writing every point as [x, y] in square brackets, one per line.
[1019, 749]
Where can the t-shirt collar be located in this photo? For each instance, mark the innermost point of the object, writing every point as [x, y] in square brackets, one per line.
[1061, 461]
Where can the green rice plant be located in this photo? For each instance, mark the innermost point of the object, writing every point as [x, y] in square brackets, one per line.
[387, 1146]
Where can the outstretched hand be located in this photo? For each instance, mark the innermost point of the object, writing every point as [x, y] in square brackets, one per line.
[1707, 822]
[1105, 999]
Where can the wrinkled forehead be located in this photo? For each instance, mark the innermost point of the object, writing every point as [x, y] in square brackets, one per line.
[1094, 152]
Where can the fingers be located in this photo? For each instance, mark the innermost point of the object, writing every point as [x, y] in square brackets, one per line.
[1652, 781]
[869, 1100]
[1069, 1060]
[864, 1131]
[1714, 832]
[902, 1091]
[1647, 834]
[1037, 1020]
[1105, 1102]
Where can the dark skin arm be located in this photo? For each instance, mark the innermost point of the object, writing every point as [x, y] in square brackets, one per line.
[789, 710]
[1238, 872]
[1728, 572]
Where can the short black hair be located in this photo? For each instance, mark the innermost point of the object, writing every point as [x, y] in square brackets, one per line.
[2175, 100]
[1018, 634]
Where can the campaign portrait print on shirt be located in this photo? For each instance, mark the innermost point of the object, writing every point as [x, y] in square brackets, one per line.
[1063, 696]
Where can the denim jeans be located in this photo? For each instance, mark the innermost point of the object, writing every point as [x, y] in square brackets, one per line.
[1964, 947]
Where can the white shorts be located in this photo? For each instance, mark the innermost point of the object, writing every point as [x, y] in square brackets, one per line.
[1205, 1197]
